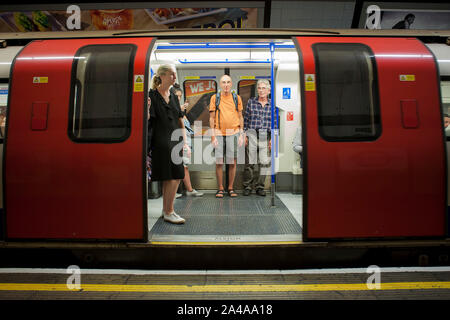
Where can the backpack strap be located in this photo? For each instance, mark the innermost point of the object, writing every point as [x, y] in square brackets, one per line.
[217, 109]
[236, 102]
[217, 100]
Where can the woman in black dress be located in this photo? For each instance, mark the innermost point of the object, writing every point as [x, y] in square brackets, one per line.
[165, 118]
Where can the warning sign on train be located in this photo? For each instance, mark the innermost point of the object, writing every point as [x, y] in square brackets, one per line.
[139, 83]
[407, 77]
[310, 82]
[40, 79]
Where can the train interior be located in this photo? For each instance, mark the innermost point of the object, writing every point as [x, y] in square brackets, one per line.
[273, 218]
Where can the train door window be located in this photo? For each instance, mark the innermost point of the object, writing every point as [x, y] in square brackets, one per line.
[246, 90]
[3, 104]
[445, 94]
[198, 94]
[101, 93]
[347, 92]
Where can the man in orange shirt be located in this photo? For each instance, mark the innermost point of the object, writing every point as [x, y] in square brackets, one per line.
[227, 132]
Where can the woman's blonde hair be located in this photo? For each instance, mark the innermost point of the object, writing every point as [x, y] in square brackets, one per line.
[156, 80]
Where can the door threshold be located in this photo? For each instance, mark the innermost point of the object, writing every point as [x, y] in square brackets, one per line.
[288, 239]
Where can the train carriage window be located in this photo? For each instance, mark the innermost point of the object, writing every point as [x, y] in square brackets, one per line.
[445, 96]
[3, 105]
[246, 90]
[198, 94]
[101, 93]
[347, 92]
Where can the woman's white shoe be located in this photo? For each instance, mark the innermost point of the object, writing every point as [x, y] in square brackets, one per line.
[174, 218]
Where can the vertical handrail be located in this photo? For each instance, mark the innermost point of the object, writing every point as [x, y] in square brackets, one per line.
[272, 131]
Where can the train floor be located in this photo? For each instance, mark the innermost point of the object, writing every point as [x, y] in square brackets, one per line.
[229, 220]
[336, 284]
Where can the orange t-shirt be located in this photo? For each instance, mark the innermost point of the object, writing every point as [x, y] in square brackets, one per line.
[229, 117]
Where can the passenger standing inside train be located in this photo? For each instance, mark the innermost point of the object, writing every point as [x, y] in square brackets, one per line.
[227, 132]
[446, 124]
[165, 118]
[257, 127]
[2, 122]
[187, 158]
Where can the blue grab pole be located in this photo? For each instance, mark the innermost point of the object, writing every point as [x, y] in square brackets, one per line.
[272, 131]
[278, 130]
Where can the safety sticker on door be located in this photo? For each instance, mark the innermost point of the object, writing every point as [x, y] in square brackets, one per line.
[139, 83]
[290, 116]
[40, 79]
[310, 82]
[407, 77]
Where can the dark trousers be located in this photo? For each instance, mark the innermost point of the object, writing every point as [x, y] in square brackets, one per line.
[257, 161]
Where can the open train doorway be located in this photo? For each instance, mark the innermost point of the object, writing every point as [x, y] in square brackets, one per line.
[275, 218]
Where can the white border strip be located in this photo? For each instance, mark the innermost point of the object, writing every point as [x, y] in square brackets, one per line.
[219, 272]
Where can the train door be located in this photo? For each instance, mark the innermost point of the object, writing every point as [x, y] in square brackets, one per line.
[6, 55]
[442, 52]
[3, 106]
[75, 141]
[374, 157]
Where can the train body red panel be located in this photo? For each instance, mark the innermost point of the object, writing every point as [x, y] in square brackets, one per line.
[57, 188]
[393, 186]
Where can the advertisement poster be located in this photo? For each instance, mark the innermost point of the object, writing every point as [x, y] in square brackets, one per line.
[398, 16]
[412, 19]
[130, 19]
[198, 94]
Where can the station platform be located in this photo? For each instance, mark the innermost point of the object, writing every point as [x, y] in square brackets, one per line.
[331, 284]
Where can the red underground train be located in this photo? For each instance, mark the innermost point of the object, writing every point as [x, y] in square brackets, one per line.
[376, 178]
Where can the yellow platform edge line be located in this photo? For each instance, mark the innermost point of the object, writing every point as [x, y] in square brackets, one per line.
[223, 288]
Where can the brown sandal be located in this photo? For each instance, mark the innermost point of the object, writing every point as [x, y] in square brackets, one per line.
[219, 193]
[232, 194]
